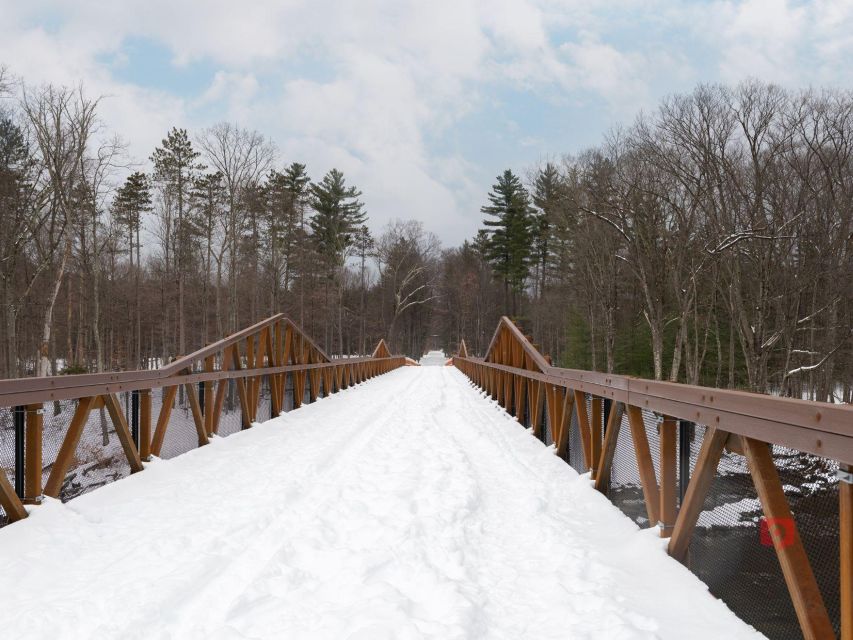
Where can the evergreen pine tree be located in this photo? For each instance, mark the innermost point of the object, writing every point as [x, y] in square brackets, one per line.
[175, 168]
[508, 248]
[338, 214]
[132, 200]
[548, 196]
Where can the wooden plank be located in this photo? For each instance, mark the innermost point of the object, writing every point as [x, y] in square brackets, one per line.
[668, 475]
[145, 424]
[33, 454]
[583, 426]
[68, 447]
[805, 594]
[697, 491]
[163, 420]
[198, 418]
[565, 422]
[605, 462]
[845, 538]
[123, 432]
[595, 435]
[10, 501]
[644, 463]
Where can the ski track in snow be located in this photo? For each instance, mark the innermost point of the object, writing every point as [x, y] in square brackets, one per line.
[407, 507]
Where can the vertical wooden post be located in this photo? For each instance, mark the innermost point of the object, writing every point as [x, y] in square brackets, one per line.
[145, 424]
[668, 477]
[845, 538]
[33, 454]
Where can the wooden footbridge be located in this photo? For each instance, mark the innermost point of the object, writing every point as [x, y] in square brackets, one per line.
[748, 488]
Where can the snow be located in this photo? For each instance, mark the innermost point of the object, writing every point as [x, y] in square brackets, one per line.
[409, 506]
[434, 358]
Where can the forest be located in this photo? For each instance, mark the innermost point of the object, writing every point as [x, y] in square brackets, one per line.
[707, 242]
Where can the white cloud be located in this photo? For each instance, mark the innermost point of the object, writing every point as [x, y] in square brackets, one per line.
[369, 86]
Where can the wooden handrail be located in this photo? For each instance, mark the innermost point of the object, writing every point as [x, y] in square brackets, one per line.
[524, 383]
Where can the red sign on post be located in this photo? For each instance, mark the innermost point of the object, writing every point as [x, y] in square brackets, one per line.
[778, 530]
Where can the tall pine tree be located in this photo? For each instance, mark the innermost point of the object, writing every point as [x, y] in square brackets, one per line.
[508, 248]
[132, 200]
[338, 214]
[175, 168]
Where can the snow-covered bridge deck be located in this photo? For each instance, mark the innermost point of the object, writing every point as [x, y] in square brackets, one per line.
[409, 506]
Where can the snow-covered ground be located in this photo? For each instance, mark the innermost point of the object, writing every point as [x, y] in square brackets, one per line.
[407, 507]
[434, 358]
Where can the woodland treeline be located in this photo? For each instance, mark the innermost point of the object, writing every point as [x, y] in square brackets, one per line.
[709, 242]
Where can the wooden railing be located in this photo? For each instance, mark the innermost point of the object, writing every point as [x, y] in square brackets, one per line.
[270, 350]
[522, 380]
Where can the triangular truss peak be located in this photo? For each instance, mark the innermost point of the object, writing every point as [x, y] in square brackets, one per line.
[381, 350]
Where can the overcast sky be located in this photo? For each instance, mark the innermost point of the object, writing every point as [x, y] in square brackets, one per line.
[420, 104]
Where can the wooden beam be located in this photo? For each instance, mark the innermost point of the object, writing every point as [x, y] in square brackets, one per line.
[805, 594]
[565, 422]
[123, 432]
[198, 418]
[668, 475]
[605, 463]
[697, 490]
[644, 463]
[845, 538]
[68, 447]
[33, 454]
[163, 420]
[10, 501]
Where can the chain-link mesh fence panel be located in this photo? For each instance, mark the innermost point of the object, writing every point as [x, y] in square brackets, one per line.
[626, 488]
[7, 450]
[99, 457]
[731, 549]
[231, 416]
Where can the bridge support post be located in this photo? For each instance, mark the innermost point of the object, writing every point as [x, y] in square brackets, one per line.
[33, 454]
[668, 475]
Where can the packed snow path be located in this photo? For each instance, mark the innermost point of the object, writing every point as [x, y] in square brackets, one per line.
[407, 507]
